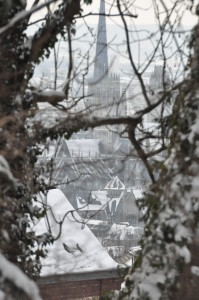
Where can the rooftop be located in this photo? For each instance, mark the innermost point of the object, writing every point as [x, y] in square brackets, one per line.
[83, 252]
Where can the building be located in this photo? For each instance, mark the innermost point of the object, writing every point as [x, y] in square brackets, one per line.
[77, 265]
[106, 97]
[98, 171]
[159, 79]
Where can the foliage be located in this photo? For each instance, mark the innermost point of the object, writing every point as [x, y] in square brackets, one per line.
[19, 181]
[171, 240]
[170, 243]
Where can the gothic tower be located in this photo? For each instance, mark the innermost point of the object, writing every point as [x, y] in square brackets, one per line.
[105, 87]
[104, 90]
[101, 56]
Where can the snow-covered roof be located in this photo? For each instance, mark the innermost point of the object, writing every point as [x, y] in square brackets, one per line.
[115, 184]
[138, 194]
[85, 148]
[121, 231]
[97, 222]
[51, 151]
[113, 202]
[135, 249]
[59, 261]
[97, 200]
[58, 149]
[101, 196]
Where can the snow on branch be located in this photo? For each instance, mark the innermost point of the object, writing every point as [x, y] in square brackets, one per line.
[5, 171]
[70, 124]
[18, 278]
[23, 15]
[52, 97]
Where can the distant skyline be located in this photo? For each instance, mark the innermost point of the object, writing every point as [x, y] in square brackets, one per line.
[118, 57]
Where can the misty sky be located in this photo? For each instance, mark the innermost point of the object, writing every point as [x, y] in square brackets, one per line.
[143, 8]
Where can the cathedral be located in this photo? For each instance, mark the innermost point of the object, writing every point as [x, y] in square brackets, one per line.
[99, 171]
[105, 95]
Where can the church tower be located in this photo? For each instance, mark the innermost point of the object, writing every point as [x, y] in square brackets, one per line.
[106, 98]
[101, 56]
[105, 86]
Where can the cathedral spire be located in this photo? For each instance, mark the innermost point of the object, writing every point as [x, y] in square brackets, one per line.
[101, 56]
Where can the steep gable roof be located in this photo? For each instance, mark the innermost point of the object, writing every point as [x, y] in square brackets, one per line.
[95, 200]
[115, 184]
[83, 252]
[84, 148]
[63, 150]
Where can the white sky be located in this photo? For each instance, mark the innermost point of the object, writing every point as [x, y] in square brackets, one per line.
[146, 16]
[144, 9]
